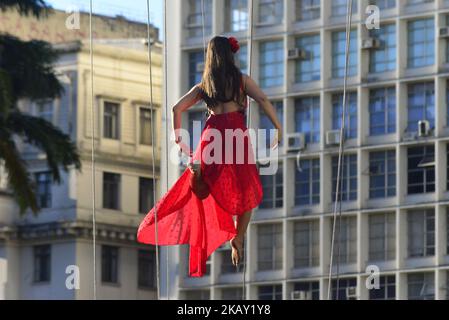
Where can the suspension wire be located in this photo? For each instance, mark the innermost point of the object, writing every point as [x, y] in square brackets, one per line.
[248, 120]
[92, 105]
[203, 22]
[150, 69]
[166, 131]
[338, 197]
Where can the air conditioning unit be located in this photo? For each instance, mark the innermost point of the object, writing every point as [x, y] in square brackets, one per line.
[423, 128]
[296, 141]
[200, 67]
[444, 32]
[351, 293]
[301, 295]
[371, 43]
[332, 137]
[296, 53]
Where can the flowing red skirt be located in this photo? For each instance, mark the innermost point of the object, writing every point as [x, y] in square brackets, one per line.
[235, 187]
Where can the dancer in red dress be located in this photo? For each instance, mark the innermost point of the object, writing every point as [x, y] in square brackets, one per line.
[198, 209]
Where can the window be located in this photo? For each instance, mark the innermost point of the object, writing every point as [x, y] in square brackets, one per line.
[312, 287]
[197, 295]
[236, 15]
[421, 43]
[421, 104]
[146, 130]
[45, 110]
[343, 285]
[308, 69]
[307, 118]
[146, 195]
[340, 8]
[242, 58]
[109, 264]
[146, 269]
[421, 233]
[196, 124]
[418, 2]
[111, 191]
[266, 124]
[43, 189]
[382, 237]
[351, 114]
[382, 174]
[384, 4]
[421, 286]
[307, 244]
[347, 239]
[382, 111]
[196, 60]
[111, 120]
[447, 95]
[42, 263]
[386, 291]
[338, 54]
[348, 189]
[307, 182]
[273, 292]
[272, 189]
[271, 11]
[421, 169]
[271, 64]
[446, 42]
[232, 294]
[447, 234]
[269, 251]
[195, 18]
[384, 58]
[307, 10]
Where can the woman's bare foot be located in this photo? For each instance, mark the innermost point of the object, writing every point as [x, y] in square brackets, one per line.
[237, 248]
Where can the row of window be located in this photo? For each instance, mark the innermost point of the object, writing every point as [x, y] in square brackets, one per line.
[110, 266]
[382, 112]
[111, 191]
[383, 56]
[420, 286]
[112, 123]
[271, 12]
[381, 170]
[112, 120]
[381, 240]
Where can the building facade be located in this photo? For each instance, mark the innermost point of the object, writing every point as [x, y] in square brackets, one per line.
[395, 189]
[47, 255]
[60, 26]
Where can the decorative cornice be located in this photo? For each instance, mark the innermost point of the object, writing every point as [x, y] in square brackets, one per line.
[68, 230]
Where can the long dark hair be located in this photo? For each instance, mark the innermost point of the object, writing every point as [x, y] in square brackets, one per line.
[221, 81]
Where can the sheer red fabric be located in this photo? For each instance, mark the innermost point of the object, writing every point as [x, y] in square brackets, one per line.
[235, 187]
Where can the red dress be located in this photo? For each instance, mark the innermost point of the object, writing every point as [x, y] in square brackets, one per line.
[183, 218]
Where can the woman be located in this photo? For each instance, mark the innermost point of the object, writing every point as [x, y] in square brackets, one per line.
[198, 209]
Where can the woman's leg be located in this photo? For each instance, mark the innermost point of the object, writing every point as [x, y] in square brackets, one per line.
[241, 225]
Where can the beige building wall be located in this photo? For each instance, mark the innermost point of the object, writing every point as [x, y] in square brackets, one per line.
[52, 28]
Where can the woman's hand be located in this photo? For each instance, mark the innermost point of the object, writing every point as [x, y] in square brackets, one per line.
[277, 139]
[183, 148]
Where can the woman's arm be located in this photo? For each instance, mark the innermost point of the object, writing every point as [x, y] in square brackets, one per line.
[253, 90]
[188, 100]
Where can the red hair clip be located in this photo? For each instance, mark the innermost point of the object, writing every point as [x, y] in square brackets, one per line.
[234, 44]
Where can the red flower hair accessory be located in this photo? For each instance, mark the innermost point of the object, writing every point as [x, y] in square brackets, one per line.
[234, 44]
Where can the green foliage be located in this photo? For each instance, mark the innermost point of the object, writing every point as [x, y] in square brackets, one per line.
[26, 72]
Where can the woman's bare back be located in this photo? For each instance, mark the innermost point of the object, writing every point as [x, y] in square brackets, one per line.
[225, 107]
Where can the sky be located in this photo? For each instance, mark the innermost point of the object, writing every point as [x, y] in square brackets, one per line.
[131, 9]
